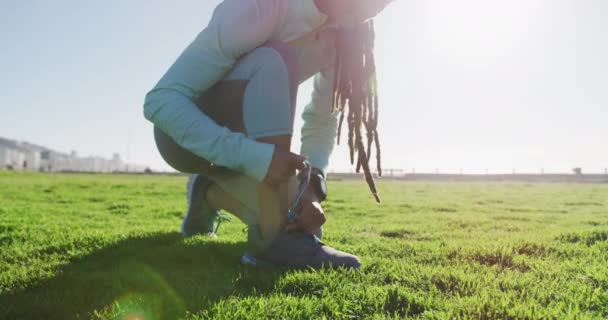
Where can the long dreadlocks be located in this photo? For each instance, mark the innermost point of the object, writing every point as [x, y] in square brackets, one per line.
[355, 85]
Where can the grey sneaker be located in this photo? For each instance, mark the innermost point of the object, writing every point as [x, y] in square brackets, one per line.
[200, 218]
[299, 251]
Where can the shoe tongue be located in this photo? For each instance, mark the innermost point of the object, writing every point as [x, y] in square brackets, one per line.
[299, 236]
[312, 238]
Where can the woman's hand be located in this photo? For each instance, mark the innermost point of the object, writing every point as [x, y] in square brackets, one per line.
[310, 212]
[283, 166]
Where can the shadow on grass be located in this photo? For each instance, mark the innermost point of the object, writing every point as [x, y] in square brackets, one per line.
[154, 277]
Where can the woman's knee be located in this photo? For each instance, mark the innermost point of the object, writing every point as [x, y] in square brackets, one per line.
[270, 95]
[273, 61]
[288, 58]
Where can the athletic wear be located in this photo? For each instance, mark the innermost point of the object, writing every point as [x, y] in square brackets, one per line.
[198, 128]
[241, 102]
[237, 28]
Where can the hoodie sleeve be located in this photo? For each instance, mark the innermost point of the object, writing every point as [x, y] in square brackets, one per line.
[236, 27]
[320, 127]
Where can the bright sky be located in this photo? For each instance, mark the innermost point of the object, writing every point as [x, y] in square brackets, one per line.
[469, 84]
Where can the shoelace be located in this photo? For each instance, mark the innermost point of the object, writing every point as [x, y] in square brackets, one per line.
[314, 239]
[220, 218]
[291, 214]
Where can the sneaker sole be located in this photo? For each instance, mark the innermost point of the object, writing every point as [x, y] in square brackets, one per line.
[211, 235]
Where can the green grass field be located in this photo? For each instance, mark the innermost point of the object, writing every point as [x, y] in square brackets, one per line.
[108, 247]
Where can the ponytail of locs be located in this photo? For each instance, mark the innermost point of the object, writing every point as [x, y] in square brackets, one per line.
[355, 86]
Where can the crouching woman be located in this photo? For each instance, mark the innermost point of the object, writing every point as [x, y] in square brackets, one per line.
[224, 112]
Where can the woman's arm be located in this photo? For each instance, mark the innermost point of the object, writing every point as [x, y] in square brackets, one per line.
[237, 27]
[318, 139]
[320, 125]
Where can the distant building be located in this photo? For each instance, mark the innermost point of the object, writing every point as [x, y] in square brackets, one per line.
[12, 155]
[32, 160]
[16, 155]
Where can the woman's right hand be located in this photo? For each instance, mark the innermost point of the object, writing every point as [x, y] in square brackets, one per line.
[283, 166]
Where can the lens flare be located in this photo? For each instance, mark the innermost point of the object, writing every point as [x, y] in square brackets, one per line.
[147, 295]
